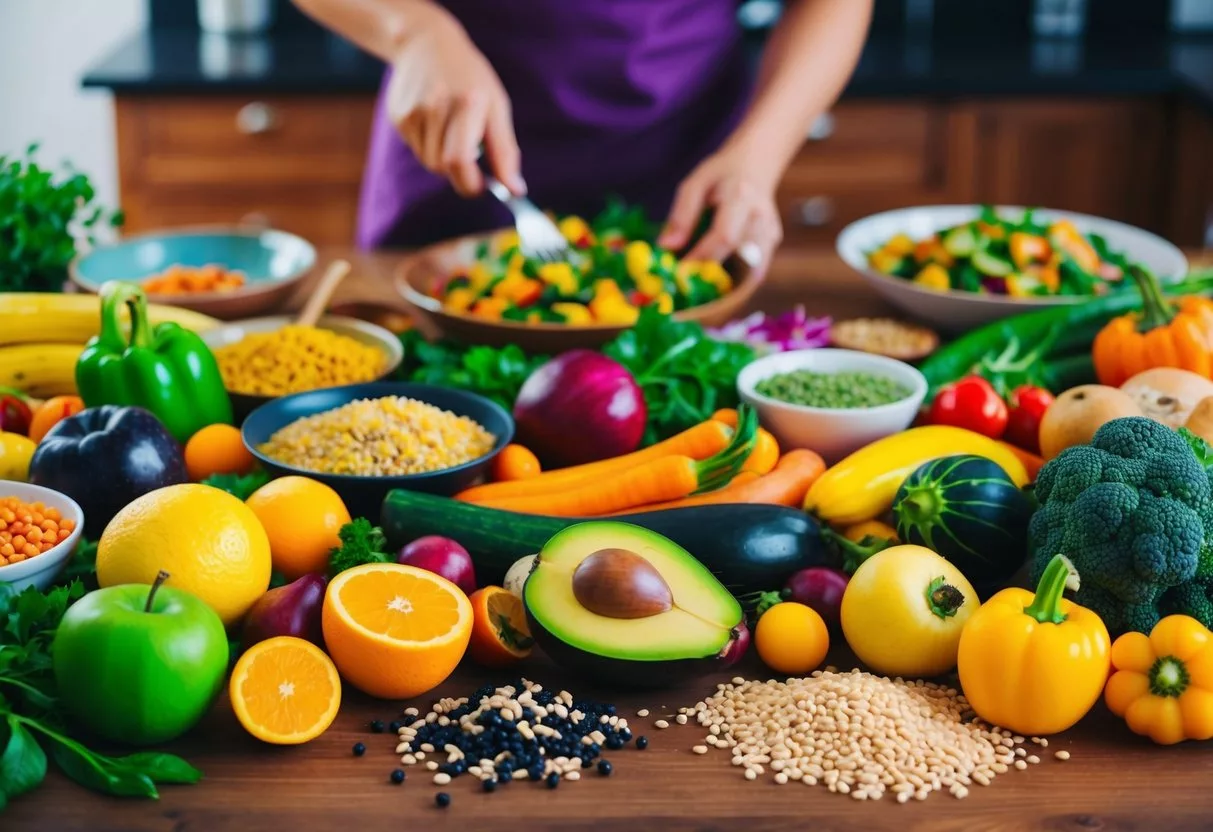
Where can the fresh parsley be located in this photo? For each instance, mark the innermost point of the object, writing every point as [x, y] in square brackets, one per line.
[1200, 448]
[361, 543]
[241, 486]
[31, 723]
[685, 374]
[497, 374]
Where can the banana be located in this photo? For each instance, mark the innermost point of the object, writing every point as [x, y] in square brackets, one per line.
[33, 317]
[41, 370]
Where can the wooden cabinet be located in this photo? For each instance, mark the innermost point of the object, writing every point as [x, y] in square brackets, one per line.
[1097, 157]
[290, 162]
[295, 162]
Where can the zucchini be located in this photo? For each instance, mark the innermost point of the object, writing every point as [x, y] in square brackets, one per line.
[750, 548]
[967, 509]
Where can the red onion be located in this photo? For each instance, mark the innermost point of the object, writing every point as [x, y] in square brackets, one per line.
[444, 557]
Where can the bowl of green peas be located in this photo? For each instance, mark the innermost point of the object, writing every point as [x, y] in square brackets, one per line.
[832, 401]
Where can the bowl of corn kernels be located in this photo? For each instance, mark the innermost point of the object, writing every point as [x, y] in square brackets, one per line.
[39, 530]
[265, 358]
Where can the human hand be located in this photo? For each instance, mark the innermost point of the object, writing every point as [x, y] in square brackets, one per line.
[738, 183]
[446, 100]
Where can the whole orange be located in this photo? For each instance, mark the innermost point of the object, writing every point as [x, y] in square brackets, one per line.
[792, 638]
[302, 518]
[217, 449]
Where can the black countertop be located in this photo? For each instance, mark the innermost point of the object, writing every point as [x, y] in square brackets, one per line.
[173, 62]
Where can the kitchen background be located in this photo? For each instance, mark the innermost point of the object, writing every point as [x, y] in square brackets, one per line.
[1103, 106]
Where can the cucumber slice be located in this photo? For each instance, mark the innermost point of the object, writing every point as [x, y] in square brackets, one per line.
[960, 241]
[991, 264]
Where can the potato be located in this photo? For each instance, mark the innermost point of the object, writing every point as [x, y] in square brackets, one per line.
[1080, 411]
[1167, 394]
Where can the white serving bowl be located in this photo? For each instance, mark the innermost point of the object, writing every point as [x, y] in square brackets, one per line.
[832, 432]
[41, 571]
[955, 311]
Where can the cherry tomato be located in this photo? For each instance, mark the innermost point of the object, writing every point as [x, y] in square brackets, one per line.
[1028, 406]
[971, 403]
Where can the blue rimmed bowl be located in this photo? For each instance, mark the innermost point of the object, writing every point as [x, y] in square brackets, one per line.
[363, 495]
[273, 263]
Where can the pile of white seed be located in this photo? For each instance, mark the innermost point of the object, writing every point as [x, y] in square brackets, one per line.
[859, 734]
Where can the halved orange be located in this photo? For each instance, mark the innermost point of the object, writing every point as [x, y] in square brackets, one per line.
[500, 636]
[285, 691]
[395, 631]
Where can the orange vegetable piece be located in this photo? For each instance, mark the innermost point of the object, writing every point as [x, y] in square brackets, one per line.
[515, 462]
[52, 412]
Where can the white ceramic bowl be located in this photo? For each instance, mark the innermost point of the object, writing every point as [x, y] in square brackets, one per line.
[41, 571]
[954, 311]
[833, 433]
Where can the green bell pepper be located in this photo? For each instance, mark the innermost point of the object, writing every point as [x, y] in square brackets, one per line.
[167, 370]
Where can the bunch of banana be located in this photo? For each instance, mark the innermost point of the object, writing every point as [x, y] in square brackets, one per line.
[42, 335]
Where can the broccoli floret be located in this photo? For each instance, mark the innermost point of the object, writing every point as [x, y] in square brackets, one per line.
[1134, 512]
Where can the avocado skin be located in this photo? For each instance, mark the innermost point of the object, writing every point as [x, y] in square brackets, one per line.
[620, 673]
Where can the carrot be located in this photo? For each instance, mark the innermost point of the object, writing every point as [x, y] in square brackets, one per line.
[741, 479]
[699, 442]
[515, 463]
[765, 456]
[786, 485]
[1031, 462]
[726, 415]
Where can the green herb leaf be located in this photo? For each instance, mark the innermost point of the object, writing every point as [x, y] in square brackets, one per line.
[99, 773]
[23, 763]
[361, 543]
[240, 486]
[1201, 448]
[160, 767]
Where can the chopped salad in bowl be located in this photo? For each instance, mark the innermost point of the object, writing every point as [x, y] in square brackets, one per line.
[999, 255]
[613, 270]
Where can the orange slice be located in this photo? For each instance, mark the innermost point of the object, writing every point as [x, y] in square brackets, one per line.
[395, 631]
[500, 636]
[285, 691]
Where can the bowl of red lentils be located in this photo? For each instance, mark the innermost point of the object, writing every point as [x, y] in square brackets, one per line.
[39, 530]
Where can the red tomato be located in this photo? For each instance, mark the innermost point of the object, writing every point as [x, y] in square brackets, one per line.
[1028, 406]
[971, 403]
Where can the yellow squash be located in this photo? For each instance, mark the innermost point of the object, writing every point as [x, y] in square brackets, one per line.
[1034, 664]
[862, 486]
[1163, 684]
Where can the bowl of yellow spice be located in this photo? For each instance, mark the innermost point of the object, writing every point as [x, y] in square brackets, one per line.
[265, 358]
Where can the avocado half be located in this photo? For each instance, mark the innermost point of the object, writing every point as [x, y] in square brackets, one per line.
[619, 603]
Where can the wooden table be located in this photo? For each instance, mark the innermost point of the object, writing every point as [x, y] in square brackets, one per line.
[1114, 781]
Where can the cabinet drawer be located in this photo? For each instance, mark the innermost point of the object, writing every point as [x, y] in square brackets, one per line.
[323, 215]
[237, 140]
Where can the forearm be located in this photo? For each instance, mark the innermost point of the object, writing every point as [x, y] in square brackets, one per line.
[805, 66]
[381, 27]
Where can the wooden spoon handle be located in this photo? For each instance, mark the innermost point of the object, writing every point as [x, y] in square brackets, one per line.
[319, 300]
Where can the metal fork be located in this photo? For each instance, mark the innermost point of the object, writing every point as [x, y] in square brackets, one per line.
[538, 236]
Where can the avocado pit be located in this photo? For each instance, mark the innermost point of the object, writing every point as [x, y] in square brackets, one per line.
[618, 583]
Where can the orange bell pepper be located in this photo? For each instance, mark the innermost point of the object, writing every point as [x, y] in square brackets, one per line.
[1064, 236]
[1035, 664]
[1163, 684]
[1027, 249]
[1164, 334]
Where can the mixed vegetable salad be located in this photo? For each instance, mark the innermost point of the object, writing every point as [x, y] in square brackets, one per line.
[997, 255]
[614, 269]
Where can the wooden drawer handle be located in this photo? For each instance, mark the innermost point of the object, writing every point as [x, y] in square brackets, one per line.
[815, 211]
[256, 118]
[821, 128]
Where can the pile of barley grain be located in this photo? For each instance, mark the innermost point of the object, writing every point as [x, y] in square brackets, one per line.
[859, 734]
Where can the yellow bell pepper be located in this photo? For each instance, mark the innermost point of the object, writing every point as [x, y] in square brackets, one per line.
[1015, 287]
[638, 259]
[506, 240]
[1163, 684]
[862, 486]
[490, 308]
[934, 276]
[1035, 664]
[561, 276]
[459, 300]
[575, 314]
[609, 306]
[899, 245]
[716, 275]
[665, 303]
[576, 231]
[870, 528]
[884, 262]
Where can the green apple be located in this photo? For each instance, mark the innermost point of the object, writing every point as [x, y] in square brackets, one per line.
[139, 664]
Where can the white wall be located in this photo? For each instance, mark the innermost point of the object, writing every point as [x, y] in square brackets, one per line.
[45, 47]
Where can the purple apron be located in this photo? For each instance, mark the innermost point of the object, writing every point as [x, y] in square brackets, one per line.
[610, 97]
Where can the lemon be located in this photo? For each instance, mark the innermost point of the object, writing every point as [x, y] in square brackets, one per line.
[210, 543]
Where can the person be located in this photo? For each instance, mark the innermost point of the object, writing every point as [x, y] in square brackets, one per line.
[569, 102]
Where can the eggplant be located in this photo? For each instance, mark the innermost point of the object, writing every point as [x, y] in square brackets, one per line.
[104, 458]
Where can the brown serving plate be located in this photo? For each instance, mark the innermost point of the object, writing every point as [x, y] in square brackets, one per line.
[420, 271]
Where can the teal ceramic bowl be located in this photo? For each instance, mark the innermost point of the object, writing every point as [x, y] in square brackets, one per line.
[273, 262]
